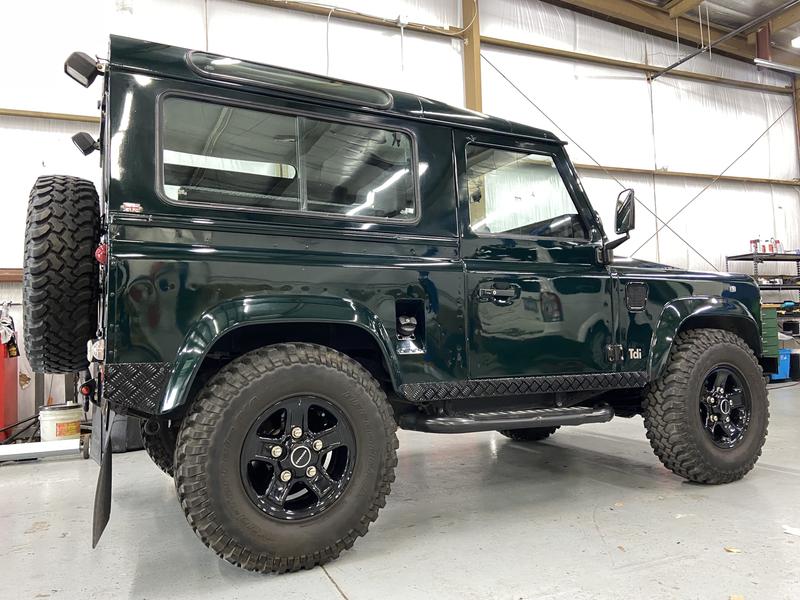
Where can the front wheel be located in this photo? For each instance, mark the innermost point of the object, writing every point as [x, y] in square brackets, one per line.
[286, 457]
[707, 416]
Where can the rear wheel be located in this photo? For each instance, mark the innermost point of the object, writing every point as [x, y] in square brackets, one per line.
[531, 434]
[707, 416]
[158, 438]
[60, 274]
[286, 457]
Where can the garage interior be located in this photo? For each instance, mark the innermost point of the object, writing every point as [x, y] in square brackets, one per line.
[708, 143]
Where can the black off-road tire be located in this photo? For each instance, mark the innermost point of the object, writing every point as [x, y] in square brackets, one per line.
[207, 475]
[671, 408]
[159, 441]
[531, 434]
[60, 273]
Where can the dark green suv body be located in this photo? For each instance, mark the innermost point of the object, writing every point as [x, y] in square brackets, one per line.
[290, 265]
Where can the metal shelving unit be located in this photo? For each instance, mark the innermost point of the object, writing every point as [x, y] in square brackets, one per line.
[757, 258]
[777, 286]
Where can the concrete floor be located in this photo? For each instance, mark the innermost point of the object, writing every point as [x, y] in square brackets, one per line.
[588, 514]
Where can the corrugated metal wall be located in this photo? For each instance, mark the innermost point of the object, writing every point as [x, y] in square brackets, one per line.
[678, 125]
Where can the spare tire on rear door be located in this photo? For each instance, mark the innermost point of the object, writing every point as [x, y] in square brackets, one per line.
[60, 273]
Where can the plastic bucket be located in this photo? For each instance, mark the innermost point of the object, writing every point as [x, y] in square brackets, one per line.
[60, 422]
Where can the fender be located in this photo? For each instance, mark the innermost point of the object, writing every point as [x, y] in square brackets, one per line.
[240, 312]
[678, 311]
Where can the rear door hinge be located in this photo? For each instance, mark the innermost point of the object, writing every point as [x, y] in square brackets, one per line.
[614, 353]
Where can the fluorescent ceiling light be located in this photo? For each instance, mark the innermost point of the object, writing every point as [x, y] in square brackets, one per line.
[796, 42]
[371, 194]
[760, 62]
[234, 165]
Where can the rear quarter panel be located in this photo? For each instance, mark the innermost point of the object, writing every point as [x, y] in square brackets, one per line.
[172, 266]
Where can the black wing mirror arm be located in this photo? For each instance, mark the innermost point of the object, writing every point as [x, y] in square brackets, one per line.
[609, 246]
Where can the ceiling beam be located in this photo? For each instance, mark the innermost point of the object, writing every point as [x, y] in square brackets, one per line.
[782, 21]
[679, 8]
[786, 19]
[355, 16]
[37, 114]
[685, 175]
[633, 66]
[638, 15]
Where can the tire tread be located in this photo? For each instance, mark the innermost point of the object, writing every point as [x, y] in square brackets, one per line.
[60, 275]
[198, 429]
[665, 409]
[159, 450]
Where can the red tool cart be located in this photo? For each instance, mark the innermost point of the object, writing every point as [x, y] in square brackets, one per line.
[8, 373]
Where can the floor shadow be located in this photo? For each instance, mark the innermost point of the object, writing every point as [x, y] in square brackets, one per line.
[492, 477]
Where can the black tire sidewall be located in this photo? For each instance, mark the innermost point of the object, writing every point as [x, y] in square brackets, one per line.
[160, 446]
[234, 510]
[727, 459]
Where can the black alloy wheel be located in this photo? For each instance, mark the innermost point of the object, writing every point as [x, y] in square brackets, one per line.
[298, 458]
[725, 406]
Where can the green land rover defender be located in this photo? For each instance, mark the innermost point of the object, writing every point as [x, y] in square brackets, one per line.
[281, 269]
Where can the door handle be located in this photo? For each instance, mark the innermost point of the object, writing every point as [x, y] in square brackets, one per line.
[502, 294]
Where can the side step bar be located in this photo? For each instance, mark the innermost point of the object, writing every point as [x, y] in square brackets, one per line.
[506, 419]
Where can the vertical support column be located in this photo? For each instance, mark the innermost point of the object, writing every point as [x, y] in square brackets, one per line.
[472, 55]
[763, 45]
[796, 96]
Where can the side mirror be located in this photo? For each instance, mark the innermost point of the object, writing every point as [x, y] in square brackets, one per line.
[85, 142]
[625, 218]
[624, 221]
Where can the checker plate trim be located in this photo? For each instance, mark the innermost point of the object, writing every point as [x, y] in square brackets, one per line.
[514, 386]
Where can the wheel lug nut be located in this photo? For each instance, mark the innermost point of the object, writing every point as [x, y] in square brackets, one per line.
[286, 476]
[311, 471]
[296, 432]
[317, 445]
[276, 451]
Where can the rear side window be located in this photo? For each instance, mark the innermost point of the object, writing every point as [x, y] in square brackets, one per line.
[220, 155]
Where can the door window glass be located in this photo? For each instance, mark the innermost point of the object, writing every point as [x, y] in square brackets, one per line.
[519, 194]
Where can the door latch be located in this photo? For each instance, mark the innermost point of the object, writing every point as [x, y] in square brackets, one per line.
[501, 294]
